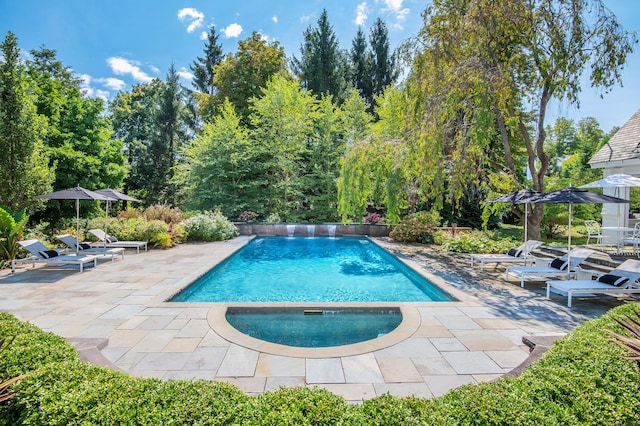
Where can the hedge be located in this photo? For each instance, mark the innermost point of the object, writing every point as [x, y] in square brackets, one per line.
[582, 380]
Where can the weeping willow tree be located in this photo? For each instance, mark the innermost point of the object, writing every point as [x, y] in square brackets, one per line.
[482, 76]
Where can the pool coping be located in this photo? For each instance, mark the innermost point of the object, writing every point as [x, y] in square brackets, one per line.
[411, 318]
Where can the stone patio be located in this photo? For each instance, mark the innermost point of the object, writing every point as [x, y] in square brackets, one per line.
[475, 339]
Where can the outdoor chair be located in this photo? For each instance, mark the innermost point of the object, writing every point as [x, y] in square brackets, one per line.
[558, 267]
[634, 240]
[105, 240]
[621, 280]
[85, 248]
[593, 232]
[43, 254]
[514, 255]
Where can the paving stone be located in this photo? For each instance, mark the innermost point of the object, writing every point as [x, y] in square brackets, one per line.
[508, 359]
[447, 344]
[412, 347]
[155, 322]
[195, 328]
[433, 366]
[397, 370]
[324, 370]
[361, 369]
[182, 344]
[458, 322]
[162, 361]
[439, 385]
[123, 312]
[475, 362]
[155, 340]
[238, 362]
[276, 365]
[476, 340]
[252, 385]
[206, 359]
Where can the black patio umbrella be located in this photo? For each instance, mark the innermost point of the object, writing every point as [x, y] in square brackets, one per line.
[522, 196]
[78, 193]
[571, 196]
[115, 195]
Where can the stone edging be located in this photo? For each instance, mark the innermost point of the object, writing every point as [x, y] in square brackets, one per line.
[538, 345]
[89, 350]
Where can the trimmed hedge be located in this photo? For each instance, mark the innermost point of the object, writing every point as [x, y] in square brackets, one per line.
[582, 380]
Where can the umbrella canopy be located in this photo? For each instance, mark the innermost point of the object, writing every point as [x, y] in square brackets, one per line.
[78, 193]
[522, 196]
[572, 195]
[619, 180]
[112, 193]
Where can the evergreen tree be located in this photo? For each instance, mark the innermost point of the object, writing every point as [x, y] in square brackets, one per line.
[383, 62]
[24, 170]
[322, 67]
[362, 67]
[203, 67]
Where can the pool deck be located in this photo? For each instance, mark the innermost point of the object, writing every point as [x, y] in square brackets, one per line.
[440, 346]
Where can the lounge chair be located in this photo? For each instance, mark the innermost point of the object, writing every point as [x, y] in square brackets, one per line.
[43, 254]
[621, 280]
[105, 240]
[514, 255]
[558, 267]
[85, 248]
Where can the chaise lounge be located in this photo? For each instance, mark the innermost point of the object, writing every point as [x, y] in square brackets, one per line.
[85, 248]
[514, 255]
[558, 267]
[621, 280]
[105, 240]
[43, 254]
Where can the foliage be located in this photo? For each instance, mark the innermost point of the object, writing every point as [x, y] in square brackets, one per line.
[203, 67]
[581, 380]
[5, 393]
[384, 71]
[157, 232]
[478, 242]
[24, 170]
[11, 231]
[631, 344]
[247, 216]
[372, 218]
[78, 139]
[210, 226]
[223, 166]
[322, 67]
[373, 174]
[431, 217]
[413, 230]
[242, 75]
[483, 75]
[164, 213]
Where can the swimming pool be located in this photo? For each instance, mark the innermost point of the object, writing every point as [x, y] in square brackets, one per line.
[286, 269]
[314, 328]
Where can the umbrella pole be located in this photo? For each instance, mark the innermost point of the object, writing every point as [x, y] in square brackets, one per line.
[526, 222]
[569, 247]
[77, 223]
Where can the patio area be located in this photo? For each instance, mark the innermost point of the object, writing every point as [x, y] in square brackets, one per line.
[477, 338]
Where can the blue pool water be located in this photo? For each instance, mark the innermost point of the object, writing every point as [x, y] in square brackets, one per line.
[285, 269]
[315, 328]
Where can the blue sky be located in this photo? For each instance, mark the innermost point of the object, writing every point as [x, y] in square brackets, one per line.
[114, 43]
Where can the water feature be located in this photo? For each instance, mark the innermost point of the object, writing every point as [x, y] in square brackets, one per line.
[291, 229]
[311, 230]
[331, 229]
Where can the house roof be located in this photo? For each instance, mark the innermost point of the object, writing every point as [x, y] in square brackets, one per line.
[624, 145]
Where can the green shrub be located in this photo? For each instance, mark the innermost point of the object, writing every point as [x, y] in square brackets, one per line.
[164, 213]
[210, 226]
[412, 230]
[476, 242]
[432, 217]
[156, 232]
[581, 380]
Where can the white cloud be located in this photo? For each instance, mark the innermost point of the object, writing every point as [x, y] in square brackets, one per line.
[122, 66]
[274, 19]
[204, 35]
[191, 15]
[263, 36]
[362, 13]
[156, 70]
[185, 74]
[112, 83]
[394, 7]
[102, 94]
[305, 18]
[232, 30]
